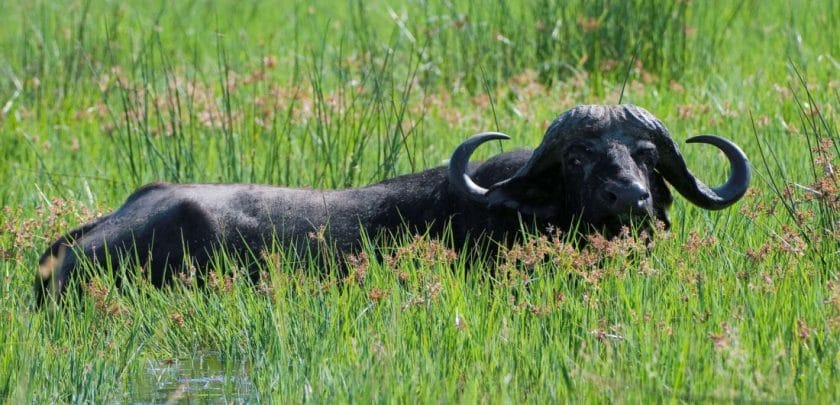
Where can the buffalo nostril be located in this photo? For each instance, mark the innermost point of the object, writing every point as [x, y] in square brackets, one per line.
[636, 194]
[643, 196]
[624, 196]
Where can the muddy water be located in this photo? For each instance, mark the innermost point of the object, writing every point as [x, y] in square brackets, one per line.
[204, 379]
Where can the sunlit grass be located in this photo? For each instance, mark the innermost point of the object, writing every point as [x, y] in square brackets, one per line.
[739, 305]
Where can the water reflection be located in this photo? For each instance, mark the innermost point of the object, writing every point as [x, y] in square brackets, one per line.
[204, 378]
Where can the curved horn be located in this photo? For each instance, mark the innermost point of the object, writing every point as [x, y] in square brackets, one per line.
[457, 172]
[676, 172]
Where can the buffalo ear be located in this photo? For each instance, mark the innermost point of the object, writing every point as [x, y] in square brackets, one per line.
[528, 196]
[662, 199]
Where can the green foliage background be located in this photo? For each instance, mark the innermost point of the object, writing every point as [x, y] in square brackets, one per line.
[100, 97]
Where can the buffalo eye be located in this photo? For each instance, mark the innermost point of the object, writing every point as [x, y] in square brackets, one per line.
[646, 156]
[579, 153]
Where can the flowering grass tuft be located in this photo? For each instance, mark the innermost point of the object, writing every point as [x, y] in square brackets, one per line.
[738, 305]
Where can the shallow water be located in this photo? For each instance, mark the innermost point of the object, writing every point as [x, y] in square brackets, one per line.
[204, 378]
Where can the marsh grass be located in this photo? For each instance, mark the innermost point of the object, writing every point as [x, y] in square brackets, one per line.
[737, 305]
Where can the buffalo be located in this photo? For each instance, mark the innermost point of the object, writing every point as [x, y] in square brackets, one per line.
[598, 168]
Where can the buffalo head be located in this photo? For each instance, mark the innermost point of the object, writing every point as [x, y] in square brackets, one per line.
[603, 167]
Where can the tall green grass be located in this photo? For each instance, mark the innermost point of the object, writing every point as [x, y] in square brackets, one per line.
[98, 98]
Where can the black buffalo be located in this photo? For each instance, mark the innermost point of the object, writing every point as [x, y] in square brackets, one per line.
[597, 168]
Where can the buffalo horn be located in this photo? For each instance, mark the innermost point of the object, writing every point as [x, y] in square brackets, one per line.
[457, 172]
[674, 169]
